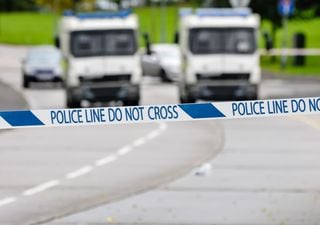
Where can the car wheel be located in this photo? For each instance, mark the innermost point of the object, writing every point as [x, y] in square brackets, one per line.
[26, 82]
[164, 76]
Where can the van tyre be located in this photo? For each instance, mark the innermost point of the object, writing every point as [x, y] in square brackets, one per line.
[131, 102]
[255, 95]
[72, 102]
[187, 100]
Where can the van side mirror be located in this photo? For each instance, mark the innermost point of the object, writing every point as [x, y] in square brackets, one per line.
[57, 42]
[147, 43]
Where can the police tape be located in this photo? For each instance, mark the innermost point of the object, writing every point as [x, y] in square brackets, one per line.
[158, 113]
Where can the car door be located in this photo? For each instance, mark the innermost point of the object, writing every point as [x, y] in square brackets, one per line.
[150, 64]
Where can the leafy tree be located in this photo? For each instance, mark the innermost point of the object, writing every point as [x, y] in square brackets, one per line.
[268, 10]
[60, 5]
[302, 5]
[16, 5]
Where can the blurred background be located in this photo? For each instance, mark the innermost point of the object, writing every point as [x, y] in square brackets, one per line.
[33, 22]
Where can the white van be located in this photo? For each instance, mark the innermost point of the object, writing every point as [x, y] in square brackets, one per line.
[103, 62]
[220, 55]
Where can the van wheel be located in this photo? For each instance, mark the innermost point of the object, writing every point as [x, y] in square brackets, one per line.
[71, 102]
[131, 102]
[187, 100]
[255, 95]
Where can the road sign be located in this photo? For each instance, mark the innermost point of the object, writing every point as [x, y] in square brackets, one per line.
[286, 7]
[239, 3]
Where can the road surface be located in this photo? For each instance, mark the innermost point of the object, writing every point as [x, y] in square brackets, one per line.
[267, 173]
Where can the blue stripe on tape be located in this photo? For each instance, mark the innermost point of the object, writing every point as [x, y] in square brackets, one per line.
[201, 110]
[21, 118]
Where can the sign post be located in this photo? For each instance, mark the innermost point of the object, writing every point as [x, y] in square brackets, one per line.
[163, 33]
[286, 9]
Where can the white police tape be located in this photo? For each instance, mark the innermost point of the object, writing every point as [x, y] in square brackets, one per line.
[157, 113]
[291, 51]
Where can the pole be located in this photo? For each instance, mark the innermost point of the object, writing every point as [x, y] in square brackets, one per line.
[0, 24]
[163, 35]
[154, 25]
[284, 41]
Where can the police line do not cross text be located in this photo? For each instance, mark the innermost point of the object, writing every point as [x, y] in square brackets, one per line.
[276, 107]
[158, 113]
[114, 114]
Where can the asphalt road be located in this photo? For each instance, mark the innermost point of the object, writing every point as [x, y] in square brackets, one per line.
[267, 173]
[49, 173]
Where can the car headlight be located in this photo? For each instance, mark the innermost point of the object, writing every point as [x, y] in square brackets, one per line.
[58, 71]
[172, 68]
[29, 70]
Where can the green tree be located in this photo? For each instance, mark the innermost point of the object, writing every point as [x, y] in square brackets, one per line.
[61, 5]
[268, 10]
[302, 5]
[16, 5]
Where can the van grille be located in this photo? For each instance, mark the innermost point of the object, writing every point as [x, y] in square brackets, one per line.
[223, 76]
[105, 78]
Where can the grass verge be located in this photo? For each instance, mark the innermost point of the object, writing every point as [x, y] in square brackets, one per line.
[27, 28]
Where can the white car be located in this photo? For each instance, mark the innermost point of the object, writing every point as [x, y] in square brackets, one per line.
[42, 64]
[164, 61]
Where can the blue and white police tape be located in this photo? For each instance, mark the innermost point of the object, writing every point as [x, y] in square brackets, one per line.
[157, 113]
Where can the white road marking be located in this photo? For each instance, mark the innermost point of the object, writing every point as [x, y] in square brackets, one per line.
[153, 134]
[139, 142]
[84, 170]
[308, 121]
[106, 160]
[41, 188]
[163, 126]
[7, 201]
[80, 172]
[125, 150]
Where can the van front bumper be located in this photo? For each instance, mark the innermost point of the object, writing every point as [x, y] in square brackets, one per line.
[104, 92]
[223, 91]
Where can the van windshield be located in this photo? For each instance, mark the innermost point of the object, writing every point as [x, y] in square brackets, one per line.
[222, 40]
[103, 43]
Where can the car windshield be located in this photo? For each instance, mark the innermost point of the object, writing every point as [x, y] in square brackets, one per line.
[222, 40]
[100, 43]
[43, 56]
